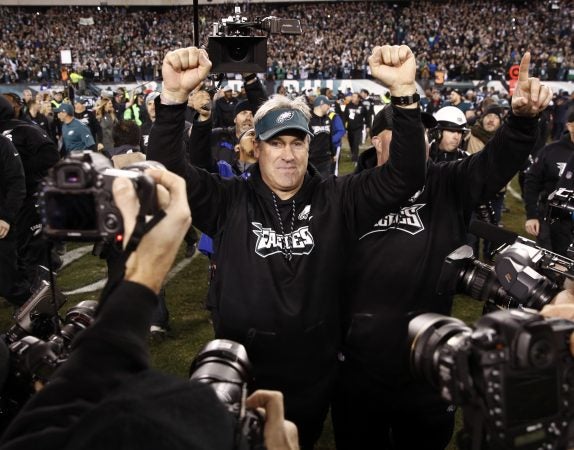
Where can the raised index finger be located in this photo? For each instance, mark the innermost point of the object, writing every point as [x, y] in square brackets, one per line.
[524, 66]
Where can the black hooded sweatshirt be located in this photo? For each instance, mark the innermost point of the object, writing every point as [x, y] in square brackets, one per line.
[286, 310]
[37, 150]
[394, 268]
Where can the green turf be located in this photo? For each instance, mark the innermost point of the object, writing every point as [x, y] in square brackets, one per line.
[186, 293]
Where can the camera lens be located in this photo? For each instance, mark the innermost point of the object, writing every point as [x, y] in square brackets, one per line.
[427, 334]
[238, 51]
[224, 365]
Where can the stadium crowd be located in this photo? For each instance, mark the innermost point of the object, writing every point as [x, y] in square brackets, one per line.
[462, 41]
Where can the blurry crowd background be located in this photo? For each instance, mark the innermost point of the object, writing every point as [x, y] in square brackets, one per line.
[461, 40]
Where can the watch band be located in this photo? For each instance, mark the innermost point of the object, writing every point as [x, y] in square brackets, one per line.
[405, 100]
[249, 77]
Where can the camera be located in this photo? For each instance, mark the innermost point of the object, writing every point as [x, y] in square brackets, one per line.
[224, 365]
[234, 46]
[512, 374]
[76, 200]
[38, 343]
[523, 275]
[561, 207]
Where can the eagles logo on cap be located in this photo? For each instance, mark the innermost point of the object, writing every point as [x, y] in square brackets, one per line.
[278, 120]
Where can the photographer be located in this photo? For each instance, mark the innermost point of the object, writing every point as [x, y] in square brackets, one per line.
[106, 395]
[282, 235]
[377, 399]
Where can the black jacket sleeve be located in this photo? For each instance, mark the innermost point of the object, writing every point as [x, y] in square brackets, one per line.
[199, 146]
[113, 348]
[534, 184]
[256, 94]
[12, 181]
[205, 191]
[480, 176]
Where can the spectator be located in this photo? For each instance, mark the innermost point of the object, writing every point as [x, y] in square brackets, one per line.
[224, 109]
[378, 400]
[354, 118]
[106, 116]
[540, 180]
[75, 135]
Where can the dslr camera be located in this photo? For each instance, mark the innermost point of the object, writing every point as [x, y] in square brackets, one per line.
[224, 365]
[76, 200]
[237, 44]
[512, 374]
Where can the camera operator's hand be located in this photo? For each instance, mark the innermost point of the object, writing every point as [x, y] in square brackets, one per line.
[150, 262]
[182, 71]
[280, 434]
[530, 96]
[532, 226]
[4, 229]
[563, 307]
[395, 67]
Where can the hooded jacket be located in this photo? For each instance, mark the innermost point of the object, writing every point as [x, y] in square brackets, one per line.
[37, 151]
[395, 265]
[285, 310]
[12, 181]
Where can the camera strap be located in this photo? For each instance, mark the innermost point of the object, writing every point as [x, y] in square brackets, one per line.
[140, 229]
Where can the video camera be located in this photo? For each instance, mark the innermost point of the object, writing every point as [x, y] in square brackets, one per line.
[235, 47]
[561, 207]
[523, 275]
[224, 365]
[512, 374]
[38, 342]
[76, 200]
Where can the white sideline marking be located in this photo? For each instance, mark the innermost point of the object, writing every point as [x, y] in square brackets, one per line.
[101, 283]
[73, 255]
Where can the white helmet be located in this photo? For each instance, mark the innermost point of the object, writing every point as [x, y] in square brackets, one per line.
[451, 118]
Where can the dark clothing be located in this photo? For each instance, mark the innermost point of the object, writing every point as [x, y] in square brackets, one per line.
[107, 396]
[354, 119]
[321, 149]
[286, 311]
[540, 180]
[88, 118]
[12, 181]
[224, 138]
[12, 194]
[393, 271]
[38, 153]
[438, 155]
[224, 112]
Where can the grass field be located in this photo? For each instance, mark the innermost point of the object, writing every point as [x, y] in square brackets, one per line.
[186, 292]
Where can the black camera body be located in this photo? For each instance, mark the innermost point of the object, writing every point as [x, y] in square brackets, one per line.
[560, 206]
[234, 47]
[76, 200]
[224, 365]
[512, 374]
[38, 343]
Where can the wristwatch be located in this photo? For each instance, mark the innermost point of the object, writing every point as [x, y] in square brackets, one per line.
[405, 100]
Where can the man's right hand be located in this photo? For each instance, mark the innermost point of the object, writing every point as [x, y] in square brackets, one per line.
[532, 226]
[280, 434]
[182, 71]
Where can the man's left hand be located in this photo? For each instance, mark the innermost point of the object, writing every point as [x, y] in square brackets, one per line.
[530, 96]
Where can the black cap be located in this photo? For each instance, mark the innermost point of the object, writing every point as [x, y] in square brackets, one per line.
[494, 109]
[383, 120]
[242, 106]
